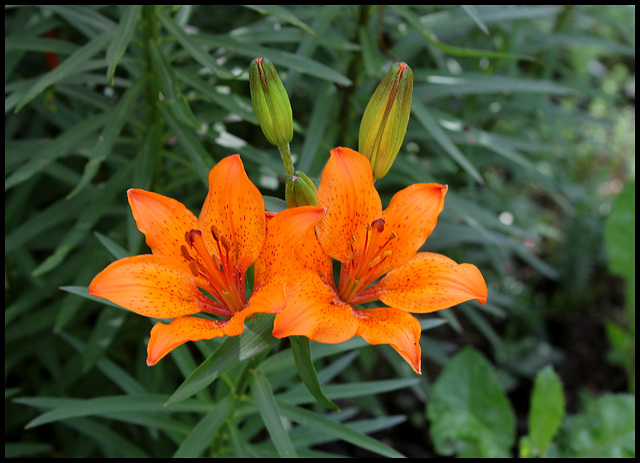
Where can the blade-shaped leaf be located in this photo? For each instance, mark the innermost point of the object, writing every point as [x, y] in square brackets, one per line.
[263, 395]
[256, 338]
[304, 363]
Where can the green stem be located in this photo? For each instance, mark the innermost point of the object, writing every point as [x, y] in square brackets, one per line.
[285, 153]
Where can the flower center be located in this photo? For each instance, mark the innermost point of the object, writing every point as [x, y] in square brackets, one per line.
[361, 269]
[226, 283]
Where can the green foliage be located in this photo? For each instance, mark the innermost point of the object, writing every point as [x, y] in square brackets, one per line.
[526, 112]
[471, 416]
[469, 412]
[545, 414]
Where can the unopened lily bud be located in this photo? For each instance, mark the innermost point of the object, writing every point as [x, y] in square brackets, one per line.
[385, 119]
[270, 102]
[300, 191]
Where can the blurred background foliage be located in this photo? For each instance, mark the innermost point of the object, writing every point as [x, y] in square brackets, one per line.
[526, 112]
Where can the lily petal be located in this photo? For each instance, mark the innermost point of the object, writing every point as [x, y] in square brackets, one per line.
[285, 231]
[387, 325]
[164, 338]
[235, 207]
[314, 310]
[346, 190]
[431, 282]
[412, 215]
[154, 286]
[163, 221]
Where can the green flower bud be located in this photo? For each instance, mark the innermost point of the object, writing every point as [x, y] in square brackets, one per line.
[385, 119]
[270, 102]
[300, 190]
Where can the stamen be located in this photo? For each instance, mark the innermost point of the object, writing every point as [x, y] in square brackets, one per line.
[194, 268]
[185, 253]
[378, 224]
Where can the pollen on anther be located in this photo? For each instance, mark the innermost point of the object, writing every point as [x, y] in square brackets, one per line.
[378, 224]
[185, 253]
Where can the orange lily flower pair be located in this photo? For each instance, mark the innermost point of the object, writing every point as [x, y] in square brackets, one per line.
[293, 271]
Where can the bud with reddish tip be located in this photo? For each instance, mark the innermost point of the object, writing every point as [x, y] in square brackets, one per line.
[270, 102]
[385, 119]
[300, 191]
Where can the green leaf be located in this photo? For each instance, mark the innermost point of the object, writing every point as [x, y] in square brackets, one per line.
[266, 402]
[281, 13]
[103, 332]
[302, 356]
[473, 14]
[120, 42]
[431, 125]
[203, 432]
[545, 414]
[256, 338]
[469, 412]
[68, 67]
[620, 232]
[604, 428]
[337, 430]
[192, 47]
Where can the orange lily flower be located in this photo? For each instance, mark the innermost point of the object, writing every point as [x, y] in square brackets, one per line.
[210, 253]
[378, 253]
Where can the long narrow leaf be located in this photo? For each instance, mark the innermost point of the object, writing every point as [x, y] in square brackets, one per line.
[263, 395]
[304, 363]
[68, 67]
[123, 36]
[256, 338]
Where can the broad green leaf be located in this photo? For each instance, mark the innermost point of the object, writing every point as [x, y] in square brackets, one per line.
[266, 402]
[469, 412]
[604, 428]
[202, 433]
[120, 42]
[322, 424]
[68, 67]
[302, 356]
[620, 232]
[256, 338]
[545, 414]
[117, 251]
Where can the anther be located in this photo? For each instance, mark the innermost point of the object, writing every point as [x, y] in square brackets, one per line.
[185, 253]
[225, 243]
[194, 268]
[378, 224]
[215, 232]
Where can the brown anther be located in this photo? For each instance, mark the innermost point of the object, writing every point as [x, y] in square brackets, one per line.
[378, 224]
[194, 268]
[185, 253]
[225, 243]
[215, 232]
[190, 235]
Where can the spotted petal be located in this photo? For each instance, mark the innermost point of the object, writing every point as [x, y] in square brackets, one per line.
[431, 282]
[154, 286]
[235, 207]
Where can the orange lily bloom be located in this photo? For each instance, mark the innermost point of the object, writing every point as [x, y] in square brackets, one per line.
[210, 253]
[378, 253]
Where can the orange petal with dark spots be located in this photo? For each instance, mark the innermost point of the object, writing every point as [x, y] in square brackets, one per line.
[285, 232]
[314, 310]
[163, 220]
[411, 216]
[166, 337]
[154, 286]
[431, 282]
[346, 190]
[400, 330]
[235, 207]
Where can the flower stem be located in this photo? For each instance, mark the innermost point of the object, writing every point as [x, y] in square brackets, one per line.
[285, 153]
